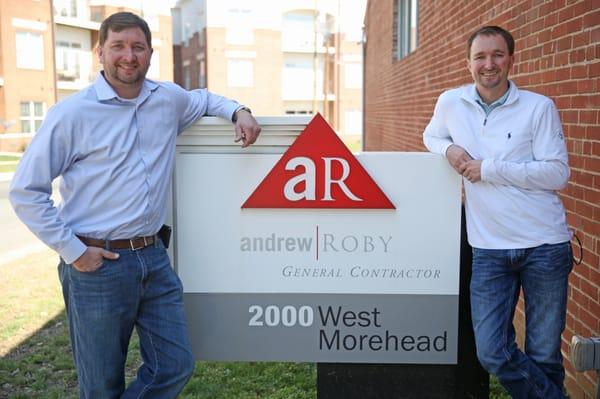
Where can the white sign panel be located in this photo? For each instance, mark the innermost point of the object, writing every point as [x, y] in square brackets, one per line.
[266, 277]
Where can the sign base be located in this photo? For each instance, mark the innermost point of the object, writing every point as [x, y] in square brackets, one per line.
[467, 379]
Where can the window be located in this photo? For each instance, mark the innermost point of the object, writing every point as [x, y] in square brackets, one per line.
[353, 75]
[298, 78]
[65, 8]
[406, 27]
[240, 73]
[32, 115]
[298, 31]
[353, 122]
[67, 61]
[202, 74]
[239, 29]
[298, 112]
[187, 84]
[30, 50]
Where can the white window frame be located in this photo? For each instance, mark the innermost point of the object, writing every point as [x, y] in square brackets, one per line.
[240, 72]
[353, 75]
[32, 118]
[66, 8]
[29, 50]
[407, 27]
[238, 30]
[68, 60]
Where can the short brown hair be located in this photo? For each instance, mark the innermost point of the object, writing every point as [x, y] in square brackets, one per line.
[121, 21]
[492, 31]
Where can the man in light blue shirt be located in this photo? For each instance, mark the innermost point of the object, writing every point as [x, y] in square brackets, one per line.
[113, 144]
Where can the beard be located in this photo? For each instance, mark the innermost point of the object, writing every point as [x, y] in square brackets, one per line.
[492, 82]
[117, 74]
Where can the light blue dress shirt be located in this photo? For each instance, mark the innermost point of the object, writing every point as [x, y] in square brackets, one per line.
[115, 157]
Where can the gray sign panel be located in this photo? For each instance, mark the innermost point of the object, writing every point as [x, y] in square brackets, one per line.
[324, 327]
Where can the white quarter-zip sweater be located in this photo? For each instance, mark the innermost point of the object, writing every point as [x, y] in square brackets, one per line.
[521, 143]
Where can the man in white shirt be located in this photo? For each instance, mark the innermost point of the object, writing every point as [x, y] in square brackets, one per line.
[113, 144]
[509, 147]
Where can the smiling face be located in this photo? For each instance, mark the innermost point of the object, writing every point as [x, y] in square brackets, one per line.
[125, 56]
[489, 63]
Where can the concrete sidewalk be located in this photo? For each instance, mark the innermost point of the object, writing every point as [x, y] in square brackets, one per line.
[6, 176]
[22, 252]
[17, 241]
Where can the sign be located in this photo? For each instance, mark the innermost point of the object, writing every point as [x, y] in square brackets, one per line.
[319, 255]
[318, 171]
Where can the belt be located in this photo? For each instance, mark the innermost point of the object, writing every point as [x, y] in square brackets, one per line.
[134, 243]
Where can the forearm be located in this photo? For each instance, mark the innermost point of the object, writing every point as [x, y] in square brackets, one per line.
[437, 145]
[539, 175]
[37, 212]
[220, 106]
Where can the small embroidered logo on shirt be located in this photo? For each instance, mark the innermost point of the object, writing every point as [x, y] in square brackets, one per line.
[508, 136]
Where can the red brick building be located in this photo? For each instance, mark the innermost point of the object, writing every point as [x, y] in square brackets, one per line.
[416, 49]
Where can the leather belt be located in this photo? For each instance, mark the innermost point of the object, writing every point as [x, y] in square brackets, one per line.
[134, 243]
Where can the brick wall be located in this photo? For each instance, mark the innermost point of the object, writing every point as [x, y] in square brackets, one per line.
[557, 54]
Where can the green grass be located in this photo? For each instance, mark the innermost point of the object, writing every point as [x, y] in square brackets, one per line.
[9, 158]
[36, 359]
[221, 380]
[8, 168]
[8, 163]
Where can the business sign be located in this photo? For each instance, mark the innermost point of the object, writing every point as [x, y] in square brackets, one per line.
[318, 254]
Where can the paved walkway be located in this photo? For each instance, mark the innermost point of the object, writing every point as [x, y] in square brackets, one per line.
[13, 255]
[6, 176]
[17, 241]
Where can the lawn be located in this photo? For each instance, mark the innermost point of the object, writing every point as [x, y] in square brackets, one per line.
[9, 158]
[8, 163]
[35, 354]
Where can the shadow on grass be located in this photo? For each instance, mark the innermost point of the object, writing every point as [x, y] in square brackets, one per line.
[41, 366]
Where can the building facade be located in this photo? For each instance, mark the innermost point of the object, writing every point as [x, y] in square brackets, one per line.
[416, 49]
[281, 58]
[27, 75]
[47, 52]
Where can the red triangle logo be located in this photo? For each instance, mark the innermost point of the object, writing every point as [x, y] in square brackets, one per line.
[318, 171]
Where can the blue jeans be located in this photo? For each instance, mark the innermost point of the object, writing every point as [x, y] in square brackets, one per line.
[498, 275]
[141, 290]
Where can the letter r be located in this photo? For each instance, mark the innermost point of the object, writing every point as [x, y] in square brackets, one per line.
[329, 181]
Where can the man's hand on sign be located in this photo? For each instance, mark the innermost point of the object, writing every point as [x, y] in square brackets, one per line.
[471, 170]
[246, 128]
[457, 157]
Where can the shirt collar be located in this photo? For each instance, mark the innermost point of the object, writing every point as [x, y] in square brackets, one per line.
[496, 103]
[105, 92]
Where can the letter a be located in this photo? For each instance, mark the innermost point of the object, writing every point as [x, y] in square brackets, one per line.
[308, 177]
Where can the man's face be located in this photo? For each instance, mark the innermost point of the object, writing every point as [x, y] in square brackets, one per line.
[125, 56]
[489, 63]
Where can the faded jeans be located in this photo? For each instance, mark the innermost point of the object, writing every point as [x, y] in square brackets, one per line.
[141, 290]
[498, 275]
